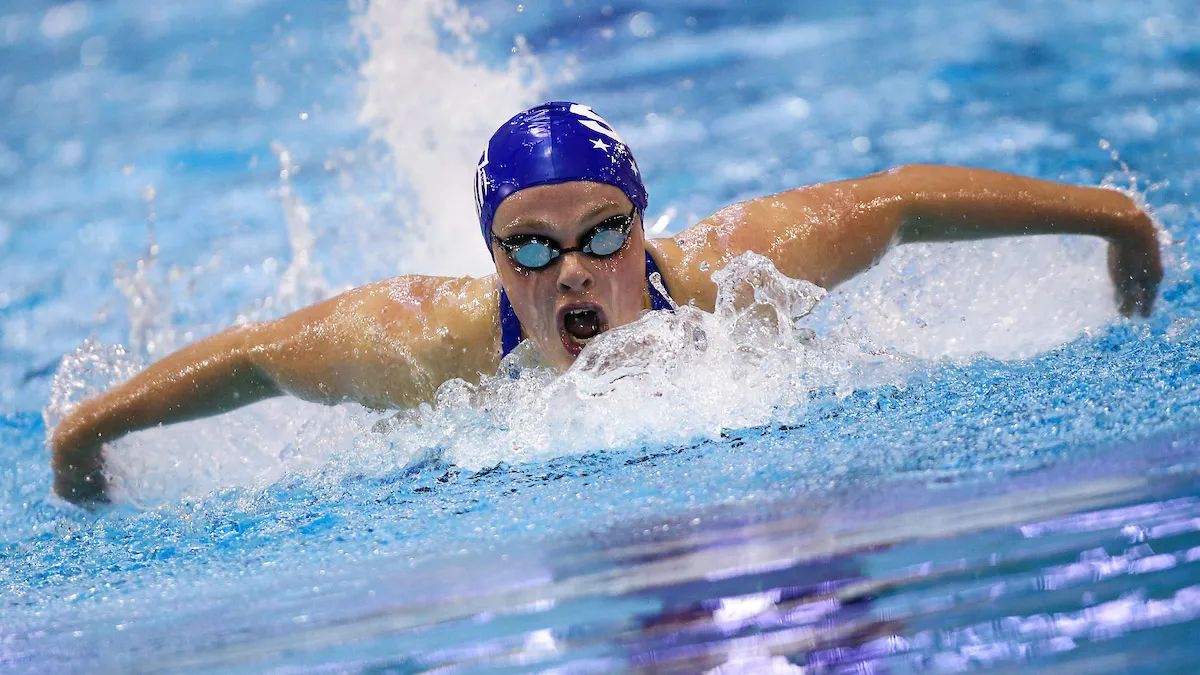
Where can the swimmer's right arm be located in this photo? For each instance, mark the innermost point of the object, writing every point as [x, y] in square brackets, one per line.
[382, 345]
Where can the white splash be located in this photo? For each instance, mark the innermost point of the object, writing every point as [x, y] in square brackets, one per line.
[254, 446]
[149, 306]
[435, 109]
[1009, 298]
[668, 378]
[302, 283]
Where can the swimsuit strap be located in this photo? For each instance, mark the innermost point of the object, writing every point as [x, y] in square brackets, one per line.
[510, 325]
[657, 301]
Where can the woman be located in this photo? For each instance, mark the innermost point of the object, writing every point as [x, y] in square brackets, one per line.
[560, 204]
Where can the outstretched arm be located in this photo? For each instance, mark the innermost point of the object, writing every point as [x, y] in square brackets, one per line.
[210, 376]
[830, 232]
[386, 344]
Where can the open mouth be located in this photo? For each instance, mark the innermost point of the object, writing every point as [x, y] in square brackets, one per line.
[578, 324]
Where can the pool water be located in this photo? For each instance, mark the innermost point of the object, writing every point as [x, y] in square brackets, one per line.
[963, 459]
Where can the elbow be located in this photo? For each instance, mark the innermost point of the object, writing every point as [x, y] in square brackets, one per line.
[254, 359]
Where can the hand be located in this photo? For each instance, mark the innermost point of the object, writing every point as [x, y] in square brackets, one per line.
[78, 466]
[82, 484]
[1135, 265]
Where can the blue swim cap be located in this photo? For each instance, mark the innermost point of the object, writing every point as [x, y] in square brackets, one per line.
[556, 142]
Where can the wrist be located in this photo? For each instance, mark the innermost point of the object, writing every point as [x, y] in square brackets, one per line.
[77, 433]
[1131, 223]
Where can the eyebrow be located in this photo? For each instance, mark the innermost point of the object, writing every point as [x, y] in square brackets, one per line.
[538, 223]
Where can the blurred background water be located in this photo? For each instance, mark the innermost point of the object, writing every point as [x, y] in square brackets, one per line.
[977, 465]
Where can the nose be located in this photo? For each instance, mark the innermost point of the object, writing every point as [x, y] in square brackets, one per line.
[573, 273]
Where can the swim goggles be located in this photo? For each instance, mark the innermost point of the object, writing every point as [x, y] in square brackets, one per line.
[534, 252]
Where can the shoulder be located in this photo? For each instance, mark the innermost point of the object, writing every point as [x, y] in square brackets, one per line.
[688, 259]
[447, 325]
[425, 306]
[455, 299]
[803, 232]
[686, 274]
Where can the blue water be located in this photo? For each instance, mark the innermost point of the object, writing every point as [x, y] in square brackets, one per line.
[1014, 487]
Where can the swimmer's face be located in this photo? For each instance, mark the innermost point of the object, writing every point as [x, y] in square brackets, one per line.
[575, 297]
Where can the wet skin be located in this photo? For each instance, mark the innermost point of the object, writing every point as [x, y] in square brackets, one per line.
[613, 287]
[393, 342]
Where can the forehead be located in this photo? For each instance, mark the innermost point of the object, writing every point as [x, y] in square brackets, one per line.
[560, 205]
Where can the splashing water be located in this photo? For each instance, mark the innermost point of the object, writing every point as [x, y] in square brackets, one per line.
[671, 377]
[668, 378]
[292, 534]
[435, 110]
[1008, 299]
[150, 329]
[301, 284]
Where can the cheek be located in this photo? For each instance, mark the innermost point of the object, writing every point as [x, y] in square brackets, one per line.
[530, 297]
[627, 281]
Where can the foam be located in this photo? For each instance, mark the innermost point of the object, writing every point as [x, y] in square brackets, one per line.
[667, 378]
[772, 345]
[1009, 298]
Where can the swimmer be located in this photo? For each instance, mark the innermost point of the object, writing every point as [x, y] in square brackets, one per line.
[561, 206]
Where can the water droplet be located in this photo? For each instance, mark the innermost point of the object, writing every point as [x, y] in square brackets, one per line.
[641, 24]
[93, 51]
[797, 107]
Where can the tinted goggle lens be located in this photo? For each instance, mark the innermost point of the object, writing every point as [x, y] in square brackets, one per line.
[606, 242]
[601, 241]
[533, 254]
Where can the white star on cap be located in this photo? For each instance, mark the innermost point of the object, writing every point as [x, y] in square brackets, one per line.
[599, 144]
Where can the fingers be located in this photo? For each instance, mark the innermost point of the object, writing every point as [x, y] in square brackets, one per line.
[1125, 302]
[87, 489]
[1149, 293]
[1136, 296]
[78, 465]
[1136, 274]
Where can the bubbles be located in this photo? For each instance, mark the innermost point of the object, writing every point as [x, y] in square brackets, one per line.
[63, 20]
[641, 24]
[797, 107]
[93, 51]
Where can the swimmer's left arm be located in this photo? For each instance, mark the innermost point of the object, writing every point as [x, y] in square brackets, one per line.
[828, 233]
[954, 203]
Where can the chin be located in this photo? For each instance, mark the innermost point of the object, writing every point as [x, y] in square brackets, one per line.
[557, 356]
